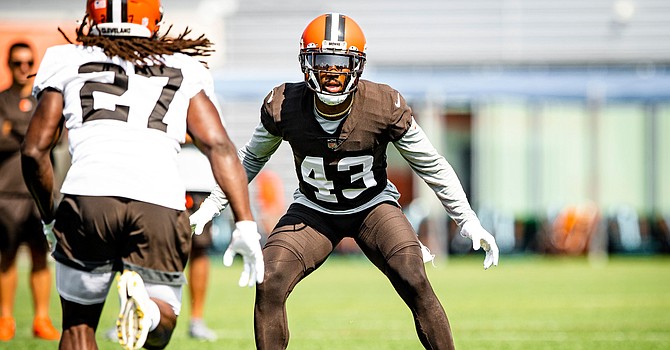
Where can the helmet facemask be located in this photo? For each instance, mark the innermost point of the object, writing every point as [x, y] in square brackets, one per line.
[335, 64]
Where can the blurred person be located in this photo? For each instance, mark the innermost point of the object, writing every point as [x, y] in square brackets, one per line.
[127, 97]
[270, 198]
[572, 228]
[19, 218]
[198, 181]
[198, 275]
[339, 127]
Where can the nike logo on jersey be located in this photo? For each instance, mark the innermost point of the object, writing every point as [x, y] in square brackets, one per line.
[397, 102]
[272, 95]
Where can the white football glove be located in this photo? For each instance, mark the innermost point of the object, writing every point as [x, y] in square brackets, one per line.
[426, 254]
[481, 238]
[202, 216]
[246, 242]
[48, 230]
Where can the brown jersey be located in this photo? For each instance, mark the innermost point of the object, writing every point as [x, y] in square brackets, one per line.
[347, 168]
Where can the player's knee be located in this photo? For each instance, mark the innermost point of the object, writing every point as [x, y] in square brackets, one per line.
[168, 295]
[159, 338]
[39, 263]
[282, 271]
[161, 335]
[158, 344]
[7, 260]
[407, 268]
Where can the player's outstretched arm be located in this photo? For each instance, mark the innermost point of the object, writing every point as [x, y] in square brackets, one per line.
[434, 169]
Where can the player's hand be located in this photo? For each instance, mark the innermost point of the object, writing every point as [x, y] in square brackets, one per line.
[481, 238]
[48, 230]
[202, 216]
[246, 242]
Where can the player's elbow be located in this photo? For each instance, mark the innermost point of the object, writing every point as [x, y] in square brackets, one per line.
[217, 144]
[31, 150]
[224, 147]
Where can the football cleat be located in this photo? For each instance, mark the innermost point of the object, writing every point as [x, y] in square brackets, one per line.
[111, 334]
[197, 329]
[44, 329]
[133, 323]
[7, 328]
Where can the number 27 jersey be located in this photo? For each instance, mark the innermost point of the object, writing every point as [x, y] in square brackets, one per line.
[125, 123]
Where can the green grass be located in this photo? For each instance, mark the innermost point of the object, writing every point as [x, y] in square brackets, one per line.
[528, 302]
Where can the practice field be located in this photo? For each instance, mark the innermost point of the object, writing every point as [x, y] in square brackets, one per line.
[526, 303]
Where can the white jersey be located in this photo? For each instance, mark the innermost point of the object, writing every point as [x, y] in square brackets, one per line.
[195, 169]
[125, 123]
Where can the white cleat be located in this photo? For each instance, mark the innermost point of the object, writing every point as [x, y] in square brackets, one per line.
[132, 326]
[197, 329]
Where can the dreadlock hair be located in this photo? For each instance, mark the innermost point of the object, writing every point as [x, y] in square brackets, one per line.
[141, 51]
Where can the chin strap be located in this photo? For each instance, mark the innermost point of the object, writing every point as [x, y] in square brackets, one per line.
[338, 115]
[331, 100]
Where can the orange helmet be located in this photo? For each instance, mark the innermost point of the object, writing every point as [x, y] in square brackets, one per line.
[332, 39]
[140, 18]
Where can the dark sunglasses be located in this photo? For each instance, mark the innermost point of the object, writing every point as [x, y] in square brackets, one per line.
[17, 64]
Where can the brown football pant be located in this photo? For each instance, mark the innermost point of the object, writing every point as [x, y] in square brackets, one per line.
[303, 239]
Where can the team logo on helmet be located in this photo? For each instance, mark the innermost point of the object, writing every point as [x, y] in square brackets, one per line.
[139, 18]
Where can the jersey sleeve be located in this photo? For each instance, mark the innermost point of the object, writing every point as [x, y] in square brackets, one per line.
[267, 114]
[200, 79]
[208, 86]
[258, 150]
[52, 72]
[401, 119]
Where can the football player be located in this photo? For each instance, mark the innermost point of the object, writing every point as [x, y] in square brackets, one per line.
[338, 127]
[128, 97]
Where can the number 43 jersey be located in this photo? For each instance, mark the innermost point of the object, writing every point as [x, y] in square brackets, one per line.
[343, 171]
[125, 123]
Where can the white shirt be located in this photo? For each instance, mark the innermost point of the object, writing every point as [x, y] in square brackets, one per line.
[135, 121]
